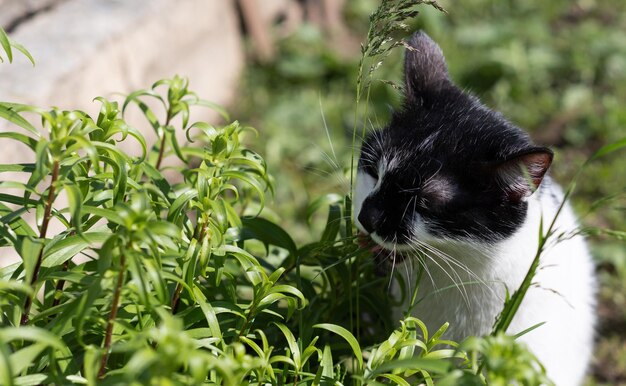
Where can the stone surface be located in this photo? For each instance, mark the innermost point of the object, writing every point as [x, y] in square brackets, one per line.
[88, 48]
[85, 48]
[15, 11]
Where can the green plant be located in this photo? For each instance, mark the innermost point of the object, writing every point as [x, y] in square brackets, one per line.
[7, 46]
[167, 274]
[151, 280]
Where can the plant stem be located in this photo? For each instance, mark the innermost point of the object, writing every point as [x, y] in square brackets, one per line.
[179, 287]
[160, 158]
[42, 235]
[512, 305]
[59, 286]
[176, 298]
[247, 321]
[61, 282]
[112, 316]
[162, 147]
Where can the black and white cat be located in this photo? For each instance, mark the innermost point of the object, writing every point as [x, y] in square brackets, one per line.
[458, 183]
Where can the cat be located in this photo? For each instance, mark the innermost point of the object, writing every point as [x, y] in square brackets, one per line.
[458, 183]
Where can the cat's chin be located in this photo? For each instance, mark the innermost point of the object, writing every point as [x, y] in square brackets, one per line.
[385, 258]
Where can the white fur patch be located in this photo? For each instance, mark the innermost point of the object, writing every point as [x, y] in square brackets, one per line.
[364, 186]
[439, 188]
[465, 285]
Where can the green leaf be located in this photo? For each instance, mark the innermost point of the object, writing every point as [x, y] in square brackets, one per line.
[147, 111]
[395, 378]
[219, 109]
[287, 289]
[26, 168]
[179, 205]
[267, 232]
[6, 372]
[348, 337]
[157, 280]
[22, 359]
[607, 149]
[29, 249]
[12, 285]
[15, 221]
[91, 364]
[26, 140]
[322, 202]
[56, 253]
[33, 334]
[529, 329]
[10, 115]
[293, 345]
[252, 181]
[172, 140]
[209, 313]
[75, 200]
[157, 178]
[333, 224]
[437, 335]
[430, 365]
[107, 214]
[24, 51]
[327, 363]
[32, 380]
[249, 264]
[6, 44]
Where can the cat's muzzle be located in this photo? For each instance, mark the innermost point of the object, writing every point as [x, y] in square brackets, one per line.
[384, 259]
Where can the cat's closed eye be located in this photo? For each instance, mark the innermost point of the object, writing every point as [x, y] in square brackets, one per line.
[371, 168]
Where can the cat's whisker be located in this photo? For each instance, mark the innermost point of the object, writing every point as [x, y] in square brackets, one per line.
[453, 261]
[393, 265]
[450, 259]
[458, 284]
[407, 207]
[333, 163]
[472, 278]
[330, 141]
[425, 248]
[319, 172]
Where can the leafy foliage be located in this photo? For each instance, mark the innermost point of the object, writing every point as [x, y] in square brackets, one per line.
[8, 45]
[174, 279]
[166, 268]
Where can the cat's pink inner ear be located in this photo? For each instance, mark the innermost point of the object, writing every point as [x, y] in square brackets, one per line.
[521, 175]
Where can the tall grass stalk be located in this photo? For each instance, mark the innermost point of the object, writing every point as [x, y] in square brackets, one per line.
[387, 29]
[513, 303]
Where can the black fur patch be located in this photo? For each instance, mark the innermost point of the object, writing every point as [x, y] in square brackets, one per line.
[480, 167]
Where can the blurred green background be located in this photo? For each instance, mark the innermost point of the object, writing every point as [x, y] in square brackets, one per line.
[556, 68]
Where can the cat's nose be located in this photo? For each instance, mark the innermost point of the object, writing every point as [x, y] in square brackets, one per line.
[369, 217]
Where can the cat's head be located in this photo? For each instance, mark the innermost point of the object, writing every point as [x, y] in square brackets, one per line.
[445, 167]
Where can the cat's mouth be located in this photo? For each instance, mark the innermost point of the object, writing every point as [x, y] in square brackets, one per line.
[384, 258]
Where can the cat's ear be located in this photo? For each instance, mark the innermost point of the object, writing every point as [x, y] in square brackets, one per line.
[425, 69]
[521, 174]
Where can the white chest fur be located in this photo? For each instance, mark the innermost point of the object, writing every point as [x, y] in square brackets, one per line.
[562, 295]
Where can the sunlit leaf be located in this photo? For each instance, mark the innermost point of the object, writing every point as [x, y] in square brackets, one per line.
[10, 115]
[6, 44]
[347, 336]
[29, 249]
